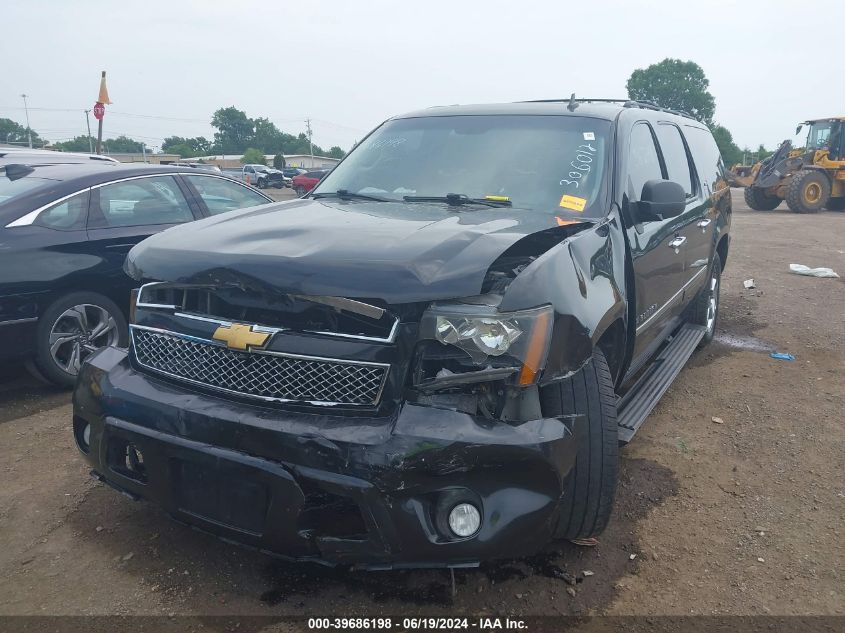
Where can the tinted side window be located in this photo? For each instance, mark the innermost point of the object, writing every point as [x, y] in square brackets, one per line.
[138, 202]
[675, 156]
[708, 160]
[222, 195]
[643, 161]
[65, 216]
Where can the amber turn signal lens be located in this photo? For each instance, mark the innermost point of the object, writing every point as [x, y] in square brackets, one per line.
[537, 346]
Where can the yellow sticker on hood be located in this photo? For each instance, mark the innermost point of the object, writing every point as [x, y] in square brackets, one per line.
[571, 202]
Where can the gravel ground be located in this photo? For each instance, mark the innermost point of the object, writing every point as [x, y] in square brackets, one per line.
[741, 517]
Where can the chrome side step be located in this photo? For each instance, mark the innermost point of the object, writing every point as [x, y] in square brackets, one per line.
[634, 407]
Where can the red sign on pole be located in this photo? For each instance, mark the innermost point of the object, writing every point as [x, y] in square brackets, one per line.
[99, 111]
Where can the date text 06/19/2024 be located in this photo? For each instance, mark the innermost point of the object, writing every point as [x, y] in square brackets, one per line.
[421, 623]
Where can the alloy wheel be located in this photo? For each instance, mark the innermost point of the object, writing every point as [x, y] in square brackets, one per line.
[713, 304]
[79, 332]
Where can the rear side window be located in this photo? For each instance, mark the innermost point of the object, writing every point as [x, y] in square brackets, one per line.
[222, 195]
[675, 156]
[708, 160]
[65, 216]
[143, 201]
[643, 160]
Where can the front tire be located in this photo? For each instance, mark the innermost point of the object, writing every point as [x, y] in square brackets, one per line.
[300, 190]
[590, 487]
[72, 328]
[758, 200]
[262, 184]
[704, 309]
[808, 192]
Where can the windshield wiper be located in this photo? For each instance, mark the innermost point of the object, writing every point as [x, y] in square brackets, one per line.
[459, 199]
[343, 194]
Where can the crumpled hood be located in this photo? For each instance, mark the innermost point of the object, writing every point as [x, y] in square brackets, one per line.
[394, 251]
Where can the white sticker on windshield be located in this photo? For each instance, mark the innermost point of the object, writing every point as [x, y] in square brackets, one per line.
[589, 136]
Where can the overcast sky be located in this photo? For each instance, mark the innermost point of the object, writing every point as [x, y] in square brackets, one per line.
[348, 65]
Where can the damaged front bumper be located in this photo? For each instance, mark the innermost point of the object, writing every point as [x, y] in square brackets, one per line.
[371, 492]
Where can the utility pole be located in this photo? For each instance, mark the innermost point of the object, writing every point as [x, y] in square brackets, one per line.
[310, 144]
[144, 150]
[90, 140]
[28, 130]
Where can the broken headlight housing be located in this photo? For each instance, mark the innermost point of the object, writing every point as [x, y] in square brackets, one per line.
[493, 340]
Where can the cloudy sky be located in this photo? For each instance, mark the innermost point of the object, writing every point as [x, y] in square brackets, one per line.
[348, 65]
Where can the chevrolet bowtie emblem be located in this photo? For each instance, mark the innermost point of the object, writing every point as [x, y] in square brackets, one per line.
[239, 336]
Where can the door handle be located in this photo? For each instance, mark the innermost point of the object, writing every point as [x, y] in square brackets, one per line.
[703, 224]
[678, 241]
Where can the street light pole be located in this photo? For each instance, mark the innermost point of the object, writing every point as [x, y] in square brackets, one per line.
[310, 144]
[90, 140]
[28, 130]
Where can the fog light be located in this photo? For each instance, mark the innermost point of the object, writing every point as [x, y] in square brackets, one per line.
[464, 519]
[86, 435]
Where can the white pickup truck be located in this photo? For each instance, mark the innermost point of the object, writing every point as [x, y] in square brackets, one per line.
[259, 176]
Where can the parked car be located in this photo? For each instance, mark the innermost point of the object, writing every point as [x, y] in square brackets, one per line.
[432, 357]
[49, 157]
[64, 232]
[290, 172]
[260, 176]
[303, 183]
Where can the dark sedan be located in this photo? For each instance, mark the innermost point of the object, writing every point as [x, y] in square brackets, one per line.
[64, 233]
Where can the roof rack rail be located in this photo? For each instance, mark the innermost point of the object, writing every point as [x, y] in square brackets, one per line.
[626, 103]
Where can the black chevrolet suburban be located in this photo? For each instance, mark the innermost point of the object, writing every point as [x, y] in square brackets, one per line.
[433, 357]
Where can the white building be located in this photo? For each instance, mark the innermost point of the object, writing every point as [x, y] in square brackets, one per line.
[306, 161]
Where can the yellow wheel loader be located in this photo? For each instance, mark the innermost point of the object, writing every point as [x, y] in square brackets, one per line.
[809, 178]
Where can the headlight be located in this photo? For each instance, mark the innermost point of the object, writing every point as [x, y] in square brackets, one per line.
[483, 332]
[491, 336]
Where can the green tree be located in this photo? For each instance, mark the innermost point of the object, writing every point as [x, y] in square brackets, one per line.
[235, 130]
[336, 152]
[77, 144]
[731, 154]
[186, 147]
[123, 144]
[253, 155]
[268, 137]
[278, 161]
[182, 149]
[14, 133]
[674, 84]
[763, 153]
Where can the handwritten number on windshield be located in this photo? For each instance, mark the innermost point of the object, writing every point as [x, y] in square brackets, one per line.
[581, 165]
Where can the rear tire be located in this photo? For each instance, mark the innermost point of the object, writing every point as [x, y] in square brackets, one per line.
[589, 488]
[808, 192]
[63, 341]
[835, 204]
[704, 309]
[759, 200]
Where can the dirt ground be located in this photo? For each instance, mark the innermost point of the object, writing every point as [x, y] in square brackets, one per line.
[744, 517]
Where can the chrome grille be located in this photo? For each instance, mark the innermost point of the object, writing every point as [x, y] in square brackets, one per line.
[264, 375]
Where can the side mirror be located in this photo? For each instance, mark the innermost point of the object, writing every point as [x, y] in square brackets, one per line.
[798, 129]
[661, 199]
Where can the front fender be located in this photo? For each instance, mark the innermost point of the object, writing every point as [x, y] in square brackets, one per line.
[583, 278]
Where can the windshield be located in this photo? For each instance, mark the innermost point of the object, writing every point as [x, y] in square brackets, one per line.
[538, 163]
[819, 136]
